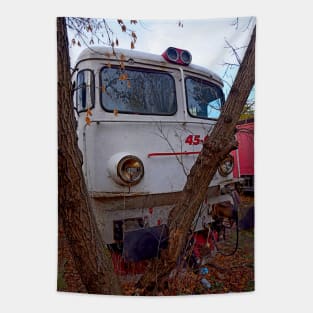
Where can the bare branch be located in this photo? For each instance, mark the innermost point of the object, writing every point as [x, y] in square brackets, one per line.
[165, 137]
[234, 50]
[235, 23]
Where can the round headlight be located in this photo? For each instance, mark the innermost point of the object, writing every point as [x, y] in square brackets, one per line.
[226, 166]
[130, 169]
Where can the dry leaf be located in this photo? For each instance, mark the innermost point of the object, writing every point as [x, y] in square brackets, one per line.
[88, 120]
[123, 76]
[134, 36]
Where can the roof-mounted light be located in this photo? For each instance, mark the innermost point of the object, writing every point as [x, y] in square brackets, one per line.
[185, 57]
[177, 56]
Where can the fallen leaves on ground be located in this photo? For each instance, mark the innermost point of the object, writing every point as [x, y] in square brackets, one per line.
[233, 273]
[226, 274]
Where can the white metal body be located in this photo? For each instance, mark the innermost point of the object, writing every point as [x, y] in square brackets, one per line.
[111, 135]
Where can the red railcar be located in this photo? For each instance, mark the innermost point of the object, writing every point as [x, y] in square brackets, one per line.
[244, 155]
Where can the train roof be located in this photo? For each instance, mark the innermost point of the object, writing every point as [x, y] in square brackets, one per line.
[140, 57]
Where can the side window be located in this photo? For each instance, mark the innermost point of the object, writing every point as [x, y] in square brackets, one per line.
[85, 90]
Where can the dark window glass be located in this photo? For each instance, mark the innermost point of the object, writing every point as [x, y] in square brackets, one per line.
[137, 91]
[204, 100]
[85, 93]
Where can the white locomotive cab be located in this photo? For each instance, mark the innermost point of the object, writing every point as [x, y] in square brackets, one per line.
[148, 116]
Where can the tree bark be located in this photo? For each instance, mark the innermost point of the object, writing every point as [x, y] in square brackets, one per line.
[215, 148]
[92, 259]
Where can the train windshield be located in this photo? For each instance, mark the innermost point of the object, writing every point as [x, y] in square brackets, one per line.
[204, 100]
[137, 91]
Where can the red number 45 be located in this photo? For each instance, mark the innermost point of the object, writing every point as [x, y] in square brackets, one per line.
[194, 140]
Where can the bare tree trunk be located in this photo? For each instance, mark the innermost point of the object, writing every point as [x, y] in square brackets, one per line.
[215, 148]
[92, 259]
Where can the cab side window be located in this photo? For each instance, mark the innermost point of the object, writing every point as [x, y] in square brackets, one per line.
[85, 90]
[204, 99]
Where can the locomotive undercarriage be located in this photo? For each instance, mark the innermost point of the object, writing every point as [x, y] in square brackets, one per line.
[135, 225]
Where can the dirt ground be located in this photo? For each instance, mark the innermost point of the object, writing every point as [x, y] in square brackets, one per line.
[224, 274]
[233, 273]
[236, 273]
